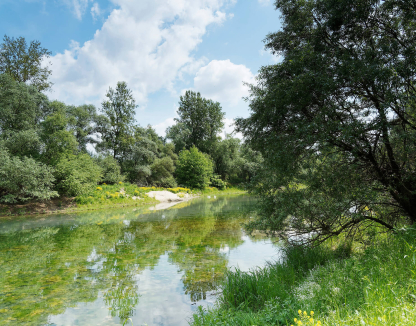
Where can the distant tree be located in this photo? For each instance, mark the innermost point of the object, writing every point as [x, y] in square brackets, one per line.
[336, 119]
[194, 168]
[25, 64]
[83, 121]
[21, 106]
[179, 134]
[199, 122]
[117, 127]
[111, 170]
[57, 140]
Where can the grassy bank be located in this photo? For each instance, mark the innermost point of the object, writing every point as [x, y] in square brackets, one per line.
[105, 197]
[371, 286]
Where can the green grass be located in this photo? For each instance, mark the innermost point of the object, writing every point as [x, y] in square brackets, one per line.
[375, 286]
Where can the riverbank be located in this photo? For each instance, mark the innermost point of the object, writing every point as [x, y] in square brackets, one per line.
[373, 285]
[106, 197]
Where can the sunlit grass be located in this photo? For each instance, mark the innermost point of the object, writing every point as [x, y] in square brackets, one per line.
[375, 286]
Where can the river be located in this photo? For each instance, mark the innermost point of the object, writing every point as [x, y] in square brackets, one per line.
[126, 266]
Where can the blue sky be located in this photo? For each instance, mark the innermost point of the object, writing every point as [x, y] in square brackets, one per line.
[159, 47]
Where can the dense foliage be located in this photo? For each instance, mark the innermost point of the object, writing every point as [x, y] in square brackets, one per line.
[50, 148]
[335, 120]
[194, 168]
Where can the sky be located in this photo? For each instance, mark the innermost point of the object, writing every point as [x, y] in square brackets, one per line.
[160, 48]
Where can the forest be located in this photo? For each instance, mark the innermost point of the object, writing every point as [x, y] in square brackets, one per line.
[50, 149]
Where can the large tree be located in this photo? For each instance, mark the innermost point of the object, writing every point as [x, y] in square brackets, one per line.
[199, 122]
[116, 127]
[336, 119]
[25, 63]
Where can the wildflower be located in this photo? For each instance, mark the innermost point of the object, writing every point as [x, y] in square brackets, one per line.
[305, 313]
[300, 312]
[312, 313]
[99, 188]
[120, 183]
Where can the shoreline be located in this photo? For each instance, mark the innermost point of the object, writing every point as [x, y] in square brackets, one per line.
[67, 205]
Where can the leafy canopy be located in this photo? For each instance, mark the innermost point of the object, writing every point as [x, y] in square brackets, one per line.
[24, 63]
[199, 122]
[194, 168]
[336, 120]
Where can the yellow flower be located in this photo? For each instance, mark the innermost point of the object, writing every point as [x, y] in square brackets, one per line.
[300, 312]
[296, 320]
[120, 183]
[305, 313]
[311, 320]
[312, 313]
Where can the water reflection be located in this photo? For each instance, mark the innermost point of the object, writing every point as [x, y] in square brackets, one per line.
[102, 268]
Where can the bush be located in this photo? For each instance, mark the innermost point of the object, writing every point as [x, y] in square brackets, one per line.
[217, 182]
[22, 179]
[194, 168]
[111, 170]
[162, 169]
[77, 175]
[168, 182]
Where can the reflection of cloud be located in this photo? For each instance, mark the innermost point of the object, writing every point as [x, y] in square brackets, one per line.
[247, 256]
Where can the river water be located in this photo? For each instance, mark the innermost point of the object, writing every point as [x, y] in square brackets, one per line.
[126, 266]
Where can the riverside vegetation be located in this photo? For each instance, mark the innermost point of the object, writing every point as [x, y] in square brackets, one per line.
[335, 121]
[329, 150]
[53, 151]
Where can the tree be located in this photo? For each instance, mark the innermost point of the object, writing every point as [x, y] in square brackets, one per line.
[57, 140]
[23, 179]
[24, 63]
[77, 174]
[194, 168]
[342, 100]
[116, 129]
[200, 120]
[83, 121]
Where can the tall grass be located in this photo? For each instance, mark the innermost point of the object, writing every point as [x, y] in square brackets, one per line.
[376, 286]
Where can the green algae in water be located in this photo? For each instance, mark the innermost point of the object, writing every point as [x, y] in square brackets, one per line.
[112, 262]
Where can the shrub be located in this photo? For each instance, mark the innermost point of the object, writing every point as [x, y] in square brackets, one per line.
[22, 179]
[194, 168]
[111, 170]
[77, 175]
[217, 182]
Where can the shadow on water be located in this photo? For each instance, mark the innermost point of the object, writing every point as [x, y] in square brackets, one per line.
[105, 267]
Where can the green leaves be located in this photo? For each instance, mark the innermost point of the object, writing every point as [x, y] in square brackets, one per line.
[335, 102]
[194, 168]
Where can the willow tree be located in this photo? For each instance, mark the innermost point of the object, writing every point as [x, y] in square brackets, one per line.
[336, 119]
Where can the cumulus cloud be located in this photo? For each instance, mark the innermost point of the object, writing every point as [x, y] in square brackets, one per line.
[95, 10]
[145, 43]
[223, 81]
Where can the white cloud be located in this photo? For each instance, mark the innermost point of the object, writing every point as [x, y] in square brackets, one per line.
[161, 127]
[78, 7]
[229, 129]
[223, 81]
[95, 10]
[145, 43]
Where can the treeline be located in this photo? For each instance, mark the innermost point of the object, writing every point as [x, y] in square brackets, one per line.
[48, 148]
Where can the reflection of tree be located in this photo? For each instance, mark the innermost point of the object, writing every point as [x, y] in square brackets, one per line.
[46, 270]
